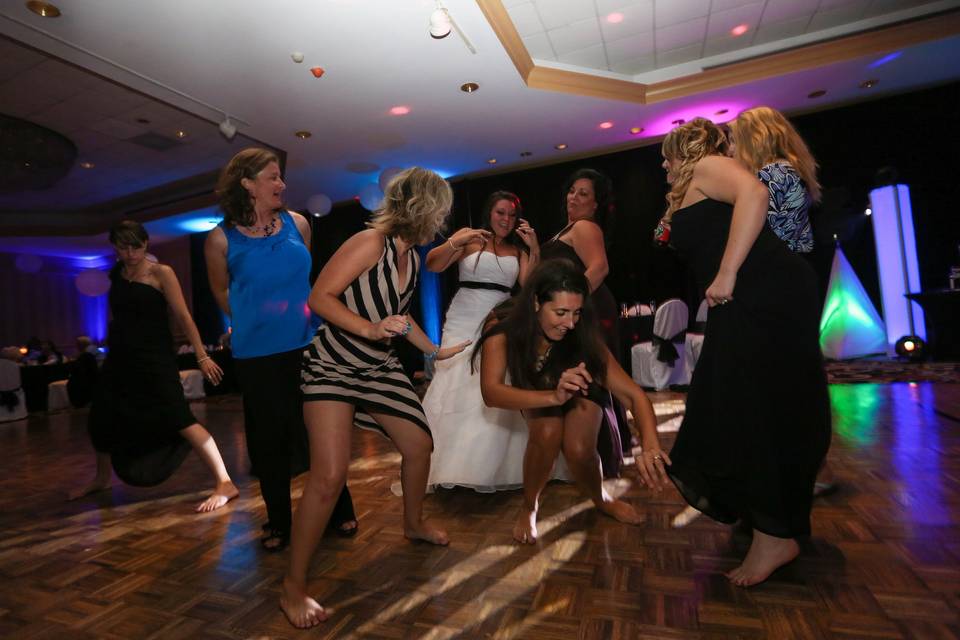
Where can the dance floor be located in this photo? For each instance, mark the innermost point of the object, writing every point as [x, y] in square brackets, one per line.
[883, 561]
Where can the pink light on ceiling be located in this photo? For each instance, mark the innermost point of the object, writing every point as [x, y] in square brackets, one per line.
[739, 30]
[606, 125]
[615, 18]
[399, 110]
[717, 112]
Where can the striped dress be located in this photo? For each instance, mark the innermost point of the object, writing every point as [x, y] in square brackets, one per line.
[343, 367]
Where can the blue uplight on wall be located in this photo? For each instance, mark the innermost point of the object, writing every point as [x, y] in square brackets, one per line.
[198, 225]
[897, 262]
[890, 57]
[94, 316]
[430, 305]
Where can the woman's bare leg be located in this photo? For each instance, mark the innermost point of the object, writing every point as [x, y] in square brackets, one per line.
[414, 445]
[543, 445]
[100, 481]
[205, 446]
[580, 427]
[329, 427]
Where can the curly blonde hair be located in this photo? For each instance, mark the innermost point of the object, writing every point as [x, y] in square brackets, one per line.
[763, 135]
[689, 143]
[234, 198]
[415, 206]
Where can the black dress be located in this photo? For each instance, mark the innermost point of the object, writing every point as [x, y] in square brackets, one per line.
[757, 423]
[139, 408]
[614, 437]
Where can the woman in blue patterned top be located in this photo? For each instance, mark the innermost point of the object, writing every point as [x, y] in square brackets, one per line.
[764, 140]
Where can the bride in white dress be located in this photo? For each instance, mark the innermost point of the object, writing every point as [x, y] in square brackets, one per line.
[474, 445]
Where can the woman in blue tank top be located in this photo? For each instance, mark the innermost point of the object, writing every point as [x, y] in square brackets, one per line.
[258, 263]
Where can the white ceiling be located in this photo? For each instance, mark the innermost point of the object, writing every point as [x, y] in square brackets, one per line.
[210, 58]
[659, 34]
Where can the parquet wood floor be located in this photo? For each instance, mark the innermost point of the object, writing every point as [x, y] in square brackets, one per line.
[883, 561]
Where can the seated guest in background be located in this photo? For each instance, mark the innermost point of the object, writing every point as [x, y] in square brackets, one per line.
[757, 421]
[587, 205]
[34, 348]
[547, 341]
[83, 373]
[140, 421]
[49, 354]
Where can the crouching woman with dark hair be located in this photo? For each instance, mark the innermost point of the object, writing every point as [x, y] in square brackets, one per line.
[547, 342]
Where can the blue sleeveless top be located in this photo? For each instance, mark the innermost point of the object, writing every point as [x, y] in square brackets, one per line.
[269, 287]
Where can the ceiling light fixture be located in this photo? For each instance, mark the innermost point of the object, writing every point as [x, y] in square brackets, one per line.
[560, 147]
[180, 133]
[87, 165]
[492, 161]
[869, 84]
[817, 94]
[227, 128]
[469, 87]
[721, 112]
[606, 125]
[739, 30]
[441, 23]
[399, 110]
[303, 135]
[44, 9]
[636, 130]
[615, 18]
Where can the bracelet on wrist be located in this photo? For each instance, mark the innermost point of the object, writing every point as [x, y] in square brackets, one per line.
[203, 359]
[433, 354]
[452, 246]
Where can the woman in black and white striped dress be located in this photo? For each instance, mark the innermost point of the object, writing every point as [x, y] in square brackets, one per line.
[351, 374]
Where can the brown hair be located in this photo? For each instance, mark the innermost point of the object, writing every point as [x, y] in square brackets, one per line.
[128, 233]
[234, 198]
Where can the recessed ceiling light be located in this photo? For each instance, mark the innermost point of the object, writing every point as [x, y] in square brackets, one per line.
[469, 87]
[678, 122]
[180, 133]
[606, 125]
[739, 30]
[869, 84]
[636, 130]
[818, 93]
[526, 154]
[400, 110]
[142, 121]
[560, 147]
[44, 9]
[87, 165]
[615, 18]
[303, 135]
[721, 112]
[492, 161]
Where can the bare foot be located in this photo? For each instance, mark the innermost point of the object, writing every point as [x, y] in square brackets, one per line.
[766, 555]
[98, 484]
[427, 532]
[222, 494]
[525, 529]
[622, 511]
[685, 517]
[301, 610]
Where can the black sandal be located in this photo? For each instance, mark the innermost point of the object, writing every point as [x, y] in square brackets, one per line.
[274, 540]
[346, 533]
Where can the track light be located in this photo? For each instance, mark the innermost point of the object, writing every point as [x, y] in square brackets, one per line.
[227, 128]
[440, 24]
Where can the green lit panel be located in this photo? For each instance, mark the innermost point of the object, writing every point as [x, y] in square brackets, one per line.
[850, 327]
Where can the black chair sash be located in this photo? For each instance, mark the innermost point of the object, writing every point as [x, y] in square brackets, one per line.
[9, 399]
[667, 347]
[471, 284]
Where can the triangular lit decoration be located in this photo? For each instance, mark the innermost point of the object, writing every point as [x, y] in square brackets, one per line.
[850, 326]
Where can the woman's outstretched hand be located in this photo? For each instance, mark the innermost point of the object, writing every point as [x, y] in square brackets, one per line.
[651, 464]
[449, 352]
[572, 382]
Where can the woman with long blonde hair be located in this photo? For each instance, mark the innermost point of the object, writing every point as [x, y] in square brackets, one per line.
[757, 422]
[766, 143]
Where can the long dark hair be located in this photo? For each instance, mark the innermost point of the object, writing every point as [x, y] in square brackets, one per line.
[518, 321]
[513, 239]
[602, 192]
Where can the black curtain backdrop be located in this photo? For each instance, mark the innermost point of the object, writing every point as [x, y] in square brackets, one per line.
[913, 132]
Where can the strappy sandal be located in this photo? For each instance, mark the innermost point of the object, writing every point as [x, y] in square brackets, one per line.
[274, 540]
[348, 532]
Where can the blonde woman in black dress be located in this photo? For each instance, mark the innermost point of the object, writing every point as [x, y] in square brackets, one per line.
[352, 376]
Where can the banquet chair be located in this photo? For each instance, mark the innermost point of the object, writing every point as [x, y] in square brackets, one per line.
[57, 396]
[694, 341]
[663, 361]
[13, 402]
[192, 381]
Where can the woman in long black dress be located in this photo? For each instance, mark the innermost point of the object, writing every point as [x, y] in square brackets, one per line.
[587, 204]
[140, 421]
[757, 422]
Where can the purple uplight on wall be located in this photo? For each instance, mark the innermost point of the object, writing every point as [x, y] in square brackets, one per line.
[890, 57]
[709, 110]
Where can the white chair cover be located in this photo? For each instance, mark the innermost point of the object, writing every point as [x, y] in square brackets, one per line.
[57, 397]
[694, 342]
[192, 381]
[670, 319]
[10, 381]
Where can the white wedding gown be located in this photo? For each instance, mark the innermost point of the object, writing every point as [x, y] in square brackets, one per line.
[474, 445]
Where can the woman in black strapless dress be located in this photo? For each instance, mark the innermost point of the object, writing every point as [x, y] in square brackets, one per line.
[139, 421]
[581, 241]
[757, 422]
